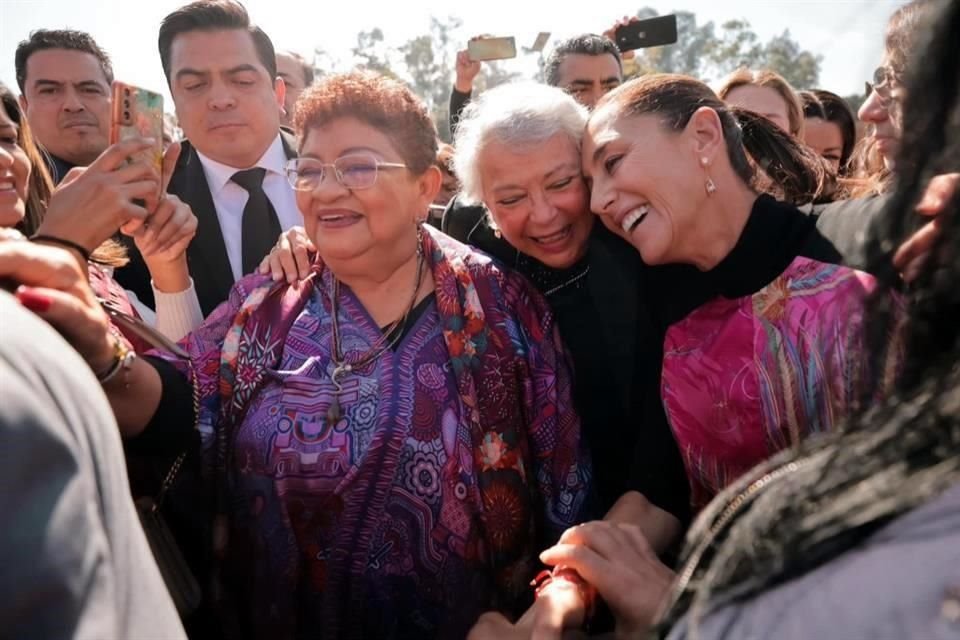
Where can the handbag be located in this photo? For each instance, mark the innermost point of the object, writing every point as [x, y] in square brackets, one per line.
[181, 583]
[183, 586]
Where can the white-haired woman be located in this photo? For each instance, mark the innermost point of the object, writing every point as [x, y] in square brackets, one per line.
[518, 153]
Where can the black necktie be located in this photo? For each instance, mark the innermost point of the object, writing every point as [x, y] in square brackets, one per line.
[261, 227]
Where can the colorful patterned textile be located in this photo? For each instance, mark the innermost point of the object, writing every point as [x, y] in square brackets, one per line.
[745, 378]
[458, 455]
[109, 290]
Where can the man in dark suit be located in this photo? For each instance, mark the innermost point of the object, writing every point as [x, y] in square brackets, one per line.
[222, 74]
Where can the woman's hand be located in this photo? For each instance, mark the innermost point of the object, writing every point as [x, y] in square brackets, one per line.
[556, 615]
[289, 259]
[52, 285]
[93, 202]
[616, 559]
[911, 256]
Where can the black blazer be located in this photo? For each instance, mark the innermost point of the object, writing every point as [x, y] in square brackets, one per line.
[207, 254]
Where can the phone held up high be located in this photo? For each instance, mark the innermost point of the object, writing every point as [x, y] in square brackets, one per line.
[653, 32]
[138, 113]
[492, 49]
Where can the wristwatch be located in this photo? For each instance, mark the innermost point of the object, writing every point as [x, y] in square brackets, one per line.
[123, 358]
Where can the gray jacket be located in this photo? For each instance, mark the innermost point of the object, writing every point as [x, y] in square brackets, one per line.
[74, 562]
[903, 583]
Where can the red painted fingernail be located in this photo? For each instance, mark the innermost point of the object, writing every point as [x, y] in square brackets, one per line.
[36, 302]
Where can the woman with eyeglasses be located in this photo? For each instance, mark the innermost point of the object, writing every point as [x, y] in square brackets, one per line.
[390, 441]
[881, 111]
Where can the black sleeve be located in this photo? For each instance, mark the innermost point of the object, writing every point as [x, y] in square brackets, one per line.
[461, 221]
[845, 223]
[657, 470]
[458, 102]
[172, 427]
[135, 276]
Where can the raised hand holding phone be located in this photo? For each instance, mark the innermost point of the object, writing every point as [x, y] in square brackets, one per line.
[92, 203]
[138, 113]
[486, 48]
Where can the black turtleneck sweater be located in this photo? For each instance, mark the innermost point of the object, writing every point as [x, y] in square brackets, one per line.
[614, 319]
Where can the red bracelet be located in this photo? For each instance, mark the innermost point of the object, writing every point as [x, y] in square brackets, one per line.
[588, 592]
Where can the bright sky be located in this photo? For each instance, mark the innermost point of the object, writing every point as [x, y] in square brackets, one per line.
[847, 33]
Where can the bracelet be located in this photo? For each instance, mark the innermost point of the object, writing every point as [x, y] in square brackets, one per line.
[588, 593]
[123, 358]
[66, 244]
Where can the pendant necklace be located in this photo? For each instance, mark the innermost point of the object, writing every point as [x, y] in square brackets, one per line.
[390, 336]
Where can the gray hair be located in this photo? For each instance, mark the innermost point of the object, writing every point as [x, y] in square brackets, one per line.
[522, 115]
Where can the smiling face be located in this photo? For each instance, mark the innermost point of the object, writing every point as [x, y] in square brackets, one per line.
[826, 138]
[763, 100]
[14, 173]
[647, 185]
[227, 104]
[538, 199]
[363, 224]
[66, 99]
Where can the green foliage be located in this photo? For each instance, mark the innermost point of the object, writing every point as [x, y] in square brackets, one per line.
[709, 52]
[706, 51]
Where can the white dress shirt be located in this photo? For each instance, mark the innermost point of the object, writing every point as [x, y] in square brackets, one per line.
[229, 198]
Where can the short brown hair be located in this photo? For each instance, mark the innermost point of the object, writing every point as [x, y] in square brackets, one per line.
[770, 80]
[790, 169]
[214, 15]
[385, 104]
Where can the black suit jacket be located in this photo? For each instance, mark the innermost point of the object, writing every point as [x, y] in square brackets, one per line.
[207, 254]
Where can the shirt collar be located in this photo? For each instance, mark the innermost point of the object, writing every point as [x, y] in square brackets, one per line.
[274, 160]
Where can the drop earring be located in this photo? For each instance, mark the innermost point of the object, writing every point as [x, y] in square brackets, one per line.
[709, 185]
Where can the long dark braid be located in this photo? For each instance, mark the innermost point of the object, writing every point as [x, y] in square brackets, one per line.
[890, 458]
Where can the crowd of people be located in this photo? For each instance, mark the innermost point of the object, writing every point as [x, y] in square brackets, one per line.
[629, 358]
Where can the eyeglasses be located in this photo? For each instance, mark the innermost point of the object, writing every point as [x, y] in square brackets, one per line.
[884, 82]
[356, 171]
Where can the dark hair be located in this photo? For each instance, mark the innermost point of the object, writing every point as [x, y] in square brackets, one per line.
[385, 104]
[829, 107]
[771, 80]
[838, 111]
[214, 15]
[588, 44]
[811, 105]
[895, 456]
[305, 67]
[68, 39]
[40, 185]
[790, 169]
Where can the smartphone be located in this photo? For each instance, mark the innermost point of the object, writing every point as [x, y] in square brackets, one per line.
[653, 32]
[540, 42]
[492, 49]
[138, 113]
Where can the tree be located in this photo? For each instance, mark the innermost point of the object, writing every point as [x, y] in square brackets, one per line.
[372, 53]
[709, 52]
[428, 64]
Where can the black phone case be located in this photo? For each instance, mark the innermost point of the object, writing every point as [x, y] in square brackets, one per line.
[653, 32]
